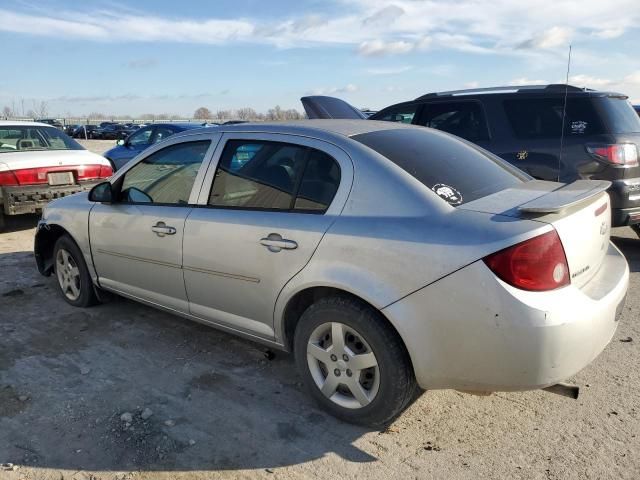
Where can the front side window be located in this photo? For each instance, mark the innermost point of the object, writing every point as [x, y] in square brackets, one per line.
[166, 176]
[274, 176]
[464, 119]
[27, 138]
[141, 137]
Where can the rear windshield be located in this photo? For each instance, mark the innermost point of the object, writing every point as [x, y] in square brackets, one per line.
[28, 138]
[542, 117]
[456, 170]
[619, 114]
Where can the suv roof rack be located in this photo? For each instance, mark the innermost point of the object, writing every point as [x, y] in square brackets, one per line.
[553, 87]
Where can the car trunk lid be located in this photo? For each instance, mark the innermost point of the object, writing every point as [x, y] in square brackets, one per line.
[580, 212]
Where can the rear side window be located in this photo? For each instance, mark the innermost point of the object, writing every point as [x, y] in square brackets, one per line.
[457, 171]
[264, 175]
[464, 119]
[542, 117]
[401, 114]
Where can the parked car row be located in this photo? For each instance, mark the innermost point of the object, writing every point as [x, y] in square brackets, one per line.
[104, 131]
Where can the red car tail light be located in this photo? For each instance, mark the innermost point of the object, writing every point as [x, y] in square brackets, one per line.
[538, 264]
[105, 171]
[8, 178]
[39, 176]
[623, 154]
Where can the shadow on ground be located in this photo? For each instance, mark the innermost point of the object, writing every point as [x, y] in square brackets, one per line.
[68, 375]
[16, 223]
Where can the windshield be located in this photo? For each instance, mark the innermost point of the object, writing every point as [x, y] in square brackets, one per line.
[455, 170]
[30, 138]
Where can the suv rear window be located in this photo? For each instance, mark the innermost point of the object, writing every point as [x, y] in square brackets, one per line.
[619, 114]
[450, 167]
[542, 117]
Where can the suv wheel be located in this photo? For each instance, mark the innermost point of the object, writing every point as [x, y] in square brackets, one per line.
[352, 362]
[72, 274]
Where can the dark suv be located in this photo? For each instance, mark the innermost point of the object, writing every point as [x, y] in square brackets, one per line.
[524, 124]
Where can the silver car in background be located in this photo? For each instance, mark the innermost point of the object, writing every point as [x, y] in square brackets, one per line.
[388, 258]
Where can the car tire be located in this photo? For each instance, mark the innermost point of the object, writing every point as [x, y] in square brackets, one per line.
[384, 390]
[636, 228]
[71, 272]
[2, 221]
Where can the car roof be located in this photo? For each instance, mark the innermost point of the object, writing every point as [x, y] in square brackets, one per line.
[343, 128]
[184, 125]
[544, 90]
[22, 123]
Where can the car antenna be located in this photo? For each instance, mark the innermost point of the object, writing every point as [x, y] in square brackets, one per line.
[564, 113]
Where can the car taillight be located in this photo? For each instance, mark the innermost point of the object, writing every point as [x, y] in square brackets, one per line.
[39, 176]
[537, 264]
[8, 178]
[105, 171]
[624, 154]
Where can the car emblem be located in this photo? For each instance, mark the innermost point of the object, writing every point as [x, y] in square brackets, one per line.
[522, 155]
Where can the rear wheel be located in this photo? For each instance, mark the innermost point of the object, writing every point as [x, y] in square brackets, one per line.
[352, 362]
[2, 221]
[72, 274]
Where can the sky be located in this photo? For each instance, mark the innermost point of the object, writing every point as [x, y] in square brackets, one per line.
[159, 56]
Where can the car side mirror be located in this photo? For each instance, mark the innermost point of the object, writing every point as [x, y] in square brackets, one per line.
[120, 142]
[102, 193]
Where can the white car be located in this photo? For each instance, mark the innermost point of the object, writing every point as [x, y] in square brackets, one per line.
[39, 163]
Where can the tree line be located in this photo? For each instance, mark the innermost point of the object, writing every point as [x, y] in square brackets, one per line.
[248, 113]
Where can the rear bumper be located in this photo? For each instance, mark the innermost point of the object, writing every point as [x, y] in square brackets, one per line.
[33, 198]
[625, 202]
[471, 331]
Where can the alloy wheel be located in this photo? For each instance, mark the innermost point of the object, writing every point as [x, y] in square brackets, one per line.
[68, 274]
[343, 365]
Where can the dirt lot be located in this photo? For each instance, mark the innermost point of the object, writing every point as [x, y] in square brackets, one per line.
[214, 406]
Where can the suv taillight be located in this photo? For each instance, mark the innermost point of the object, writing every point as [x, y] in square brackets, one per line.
[537, 264]
[624, 154]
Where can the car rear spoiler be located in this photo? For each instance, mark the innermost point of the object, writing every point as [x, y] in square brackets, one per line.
[319, 106]
[565, 196]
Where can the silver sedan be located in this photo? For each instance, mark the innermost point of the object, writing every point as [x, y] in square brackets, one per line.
[388, 258]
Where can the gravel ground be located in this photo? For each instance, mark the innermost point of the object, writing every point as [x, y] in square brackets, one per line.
[125, 391]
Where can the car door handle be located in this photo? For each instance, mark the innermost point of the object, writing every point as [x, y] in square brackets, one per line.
[274, 242]
[161, 229]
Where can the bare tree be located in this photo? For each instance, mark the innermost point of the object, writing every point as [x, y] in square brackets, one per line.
[223, 114]
[202, 113]
[41, 109]
[246, 113]
[7, 112]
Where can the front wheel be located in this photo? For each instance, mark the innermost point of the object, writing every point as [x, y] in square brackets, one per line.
[353, 362]
[72, 274]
